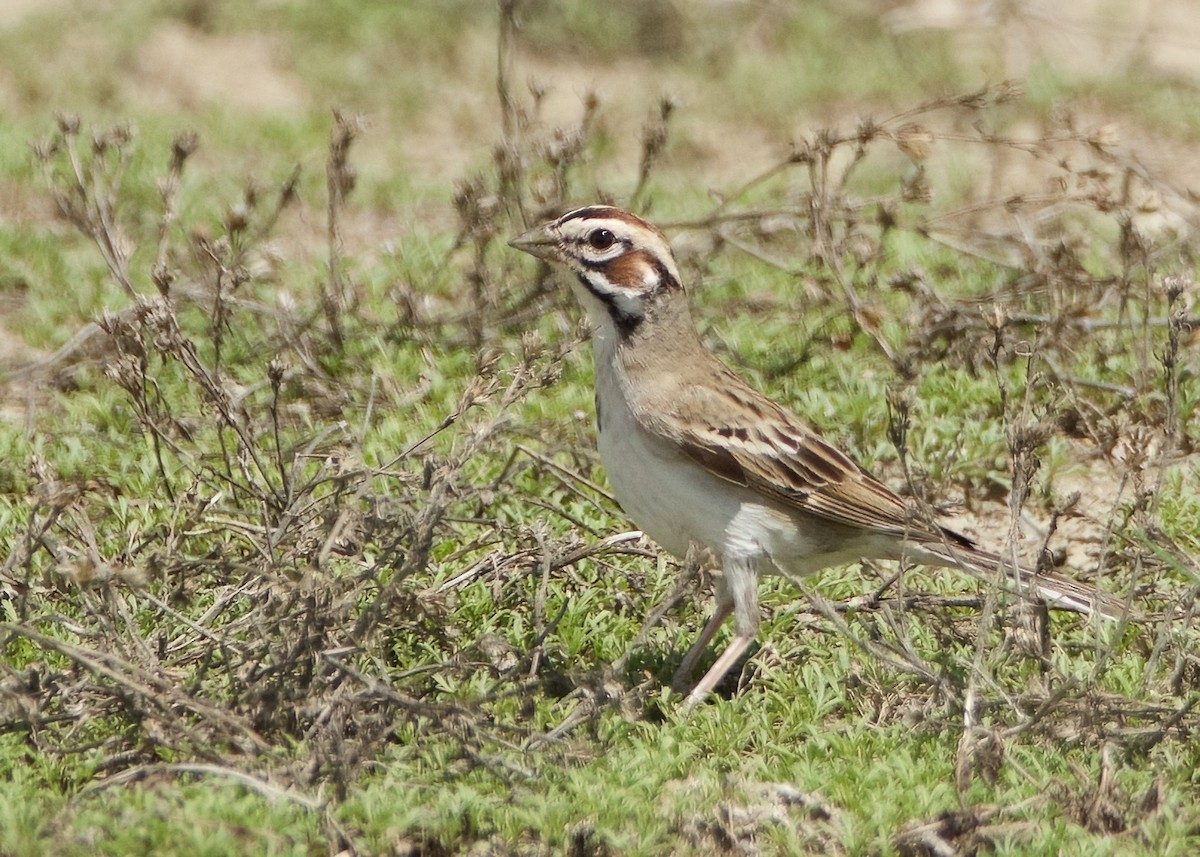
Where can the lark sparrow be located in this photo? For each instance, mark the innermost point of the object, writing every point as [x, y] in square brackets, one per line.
[697, 457]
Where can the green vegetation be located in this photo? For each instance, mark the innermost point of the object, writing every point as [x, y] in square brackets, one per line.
[304, 544]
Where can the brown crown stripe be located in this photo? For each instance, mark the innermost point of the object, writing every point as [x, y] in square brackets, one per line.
[604, 212]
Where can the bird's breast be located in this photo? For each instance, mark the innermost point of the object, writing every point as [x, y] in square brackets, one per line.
[671, 498]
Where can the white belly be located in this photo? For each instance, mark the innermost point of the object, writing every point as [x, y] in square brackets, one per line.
[671, 500]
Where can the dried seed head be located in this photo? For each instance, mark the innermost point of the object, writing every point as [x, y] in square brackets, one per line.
[914, 141]
[1031, 436]
[564, 147]
[508, 161]
[182, 148]
[68, 124]
[1175, 287]
[532, 346]
[163, 278]
[276, 369]
[237, 218]
[133, 576]
[158, 318]
[126, 371]
[868, 129]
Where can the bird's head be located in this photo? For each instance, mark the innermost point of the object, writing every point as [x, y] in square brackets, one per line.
[623, 266]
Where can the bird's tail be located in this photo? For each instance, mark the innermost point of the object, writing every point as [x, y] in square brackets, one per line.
[1058, 591]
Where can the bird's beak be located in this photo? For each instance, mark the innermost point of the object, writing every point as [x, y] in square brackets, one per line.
[539, 241]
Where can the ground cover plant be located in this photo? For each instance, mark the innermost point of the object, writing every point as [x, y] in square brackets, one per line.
[304, 544]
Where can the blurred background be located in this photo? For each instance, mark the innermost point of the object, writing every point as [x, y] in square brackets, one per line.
[257, 80]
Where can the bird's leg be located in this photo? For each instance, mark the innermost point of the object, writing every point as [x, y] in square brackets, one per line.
[683, 675]
[722, 665]
[737, 593]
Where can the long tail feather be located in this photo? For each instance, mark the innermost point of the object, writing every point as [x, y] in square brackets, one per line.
[1059, 592]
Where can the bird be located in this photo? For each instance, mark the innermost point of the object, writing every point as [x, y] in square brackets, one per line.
[697, 458]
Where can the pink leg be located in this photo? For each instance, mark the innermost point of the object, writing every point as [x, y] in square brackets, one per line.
[683, 675]
[737, 593]
[722, 665]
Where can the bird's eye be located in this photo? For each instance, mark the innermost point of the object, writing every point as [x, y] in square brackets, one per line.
[601, 239]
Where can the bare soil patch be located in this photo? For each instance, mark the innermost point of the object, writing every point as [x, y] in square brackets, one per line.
[13, 12]
[182, 67]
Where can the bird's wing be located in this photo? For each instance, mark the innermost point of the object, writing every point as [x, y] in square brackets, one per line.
[741, 436]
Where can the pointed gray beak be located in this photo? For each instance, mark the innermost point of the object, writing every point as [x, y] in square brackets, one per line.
[539, 241]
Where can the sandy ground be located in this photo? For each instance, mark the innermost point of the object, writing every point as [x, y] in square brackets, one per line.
[1077, 37]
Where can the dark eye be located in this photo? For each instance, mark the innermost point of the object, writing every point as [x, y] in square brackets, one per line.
[601, 239]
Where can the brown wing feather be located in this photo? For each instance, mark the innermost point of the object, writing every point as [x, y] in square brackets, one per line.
[761, 446]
